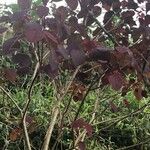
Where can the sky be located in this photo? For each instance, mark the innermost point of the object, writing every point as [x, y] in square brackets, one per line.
[8, 1]
[15, 1]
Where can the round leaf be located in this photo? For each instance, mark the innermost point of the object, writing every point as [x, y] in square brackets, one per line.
[33, 32]
[73, 4]
[42, 11]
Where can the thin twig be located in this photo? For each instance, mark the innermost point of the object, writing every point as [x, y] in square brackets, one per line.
[27, 105]
[131, 146]
[83, 134]
[80, 107]
[124, 117]
[104, 30]
[10, 97]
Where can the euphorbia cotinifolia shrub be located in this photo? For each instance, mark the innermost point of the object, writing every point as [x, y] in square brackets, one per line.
[112, 34]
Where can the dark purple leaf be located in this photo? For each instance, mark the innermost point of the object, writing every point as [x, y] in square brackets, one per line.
[78, 56]
[107, 4]
[100, 54]
[51, 69]
[116, 6]
[80, 123]
[48, 70]
[147, 7]
[82, 13]
[53, 61]
[24, 4]
[96, 11]
[18, 16]
[56, 0]
[45, 2]
[62, 51]
[73, 20]
[81, 146]
[141, 1]
[132, 5]
[144, 93]
[62, 32]
[61, 13]
[4, 19]
[122, 49]
[51, 23]
[89, 20]
[85, 3]
[8, 45]
[42, 11]
[22, 59]
[92, 3]
[113, 106]
[138, 93]
[10, 74]
[107, 16]
[50, 37]
[23, 71]
[73, 4]
[128, 13]
[33, 32]
[147, 20]
[116, 80]
[3, 29]
[89, 129]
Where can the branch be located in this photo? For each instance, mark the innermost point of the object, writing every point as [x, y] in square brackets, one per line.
[81, 105]
[104, 30]
[81, 136]
[50, 129]
[26, 107]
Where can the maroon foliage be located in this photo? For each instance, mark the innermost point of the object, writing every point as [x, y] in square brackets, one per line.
[116, 80]
[126, 103]
[72, 3]
[42, 11]
[9, 45]
[3, 29]
[10, 74]
[77, 56]
[113, 106]
[33, 32]
[73, 42]
[22, 59]
[107, 39]
[24, 4]
[45, 2]
[81, 146]
[80, 123]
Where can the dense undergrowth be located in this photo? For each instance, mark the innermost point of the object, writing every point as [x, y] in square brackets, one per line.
[114, 125]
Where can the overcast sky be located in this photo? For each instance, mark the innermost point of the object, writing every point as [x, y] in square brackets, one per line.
[8, 1]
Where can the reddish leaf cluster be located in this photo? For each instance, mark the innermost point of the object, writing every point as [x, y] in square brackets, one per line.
[80, 123]
[67, 39]
[78, 91]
